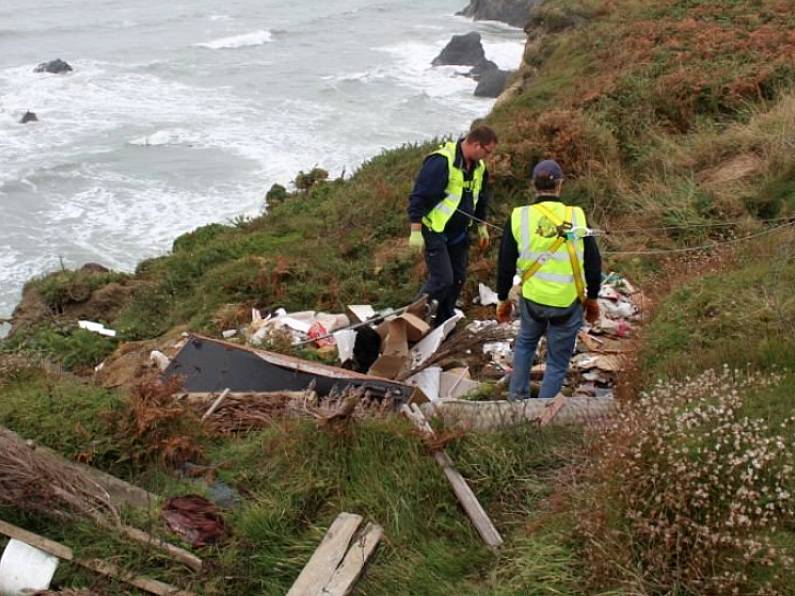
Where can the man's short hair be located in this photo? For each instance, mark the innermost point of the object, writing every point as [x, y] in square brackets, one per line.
[546, 174]
[482, 135]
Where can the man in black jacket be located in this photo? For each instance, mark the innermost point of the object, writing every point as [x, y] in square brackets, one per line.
[547, 244]
[451, 188]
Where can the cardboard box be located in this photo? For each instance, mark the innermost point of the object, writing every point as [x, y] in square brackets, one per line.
[416, 328]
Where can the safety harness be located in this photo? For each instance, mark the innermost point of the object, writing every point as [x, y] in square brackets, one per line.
[566, 233]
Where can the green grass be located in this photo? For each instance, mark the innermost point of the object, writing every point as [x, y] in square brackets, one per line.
[295, 478]
[738, 317]
[65, 414]
[62, 288]
[73, 348]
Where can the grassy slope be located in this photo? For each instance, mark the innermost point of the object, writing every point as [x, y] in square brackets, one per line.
[666, 112]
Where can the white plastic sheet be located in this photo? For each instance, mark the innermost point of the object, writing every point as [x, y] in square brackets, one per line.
[25, 569]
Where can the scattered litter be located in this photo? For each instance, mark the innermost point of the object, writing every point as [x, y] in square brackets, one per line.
[96, 328]
[500, 353]
[617, 310]
[25, 569]
[159, 359]
[339, 559]
[229, 333]
[476, 326]
[604, 362]
[223, 495]
[318, 332]
[488, 297]
[428, 346]
[429, 381]
[455, 383]
[345, 340]
[208, 365]
[195, 519]
[360, 312]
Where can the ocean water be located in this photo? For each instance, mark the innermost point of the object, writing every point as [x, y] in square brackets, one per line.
[185, 113]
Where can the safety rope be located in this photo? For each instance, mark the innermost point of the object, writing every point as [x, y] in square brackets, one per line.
[790, 222]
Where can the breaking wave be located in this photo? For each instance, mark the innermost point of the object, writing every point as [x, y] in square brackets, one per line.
[255, 38]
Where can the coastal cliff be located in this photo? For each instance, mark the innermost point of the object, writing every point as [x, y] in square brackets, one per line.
[674, 124]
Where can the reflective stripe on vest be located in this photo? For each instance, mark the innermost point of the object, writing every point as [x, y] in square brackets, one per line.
[437, 218]
[553, 282]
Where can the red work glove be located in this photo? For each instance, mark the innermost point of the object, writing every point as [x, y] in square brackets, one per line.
[591, 310]
[504, 310]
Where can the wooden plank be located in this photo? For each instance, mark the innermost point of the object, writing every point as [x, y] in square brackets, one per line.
[102, 567]
[178, 553]
[147, 584]
[215, 405]
[119, 491]
[48, 546]
[325, 560]
[354, 562]
[462, 490]
[551, 410]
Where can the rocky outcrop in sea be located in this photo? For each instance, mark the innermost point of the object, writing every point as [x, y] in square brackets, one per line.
[512, 12]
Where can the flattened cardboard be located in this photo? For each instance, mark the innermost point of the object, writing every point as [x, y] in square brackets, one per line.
[359, 313]
[416, 328]
[388, 367]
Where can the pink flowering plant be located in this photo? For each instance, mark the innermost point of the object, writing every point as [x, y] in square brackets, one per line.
[694, 487]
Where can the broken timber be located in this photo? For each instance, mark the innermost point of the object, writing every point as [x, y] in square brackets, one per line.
[209, 365]
[215, 405]
[119, 491]
[125, 493]
[551, 410]
[102, 567]
[466, 497]
[492, 415]
[339, 560]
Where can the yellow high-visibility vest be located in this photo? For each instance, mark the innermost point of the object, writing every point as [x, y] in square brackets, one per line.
[437, 218]
[548, 263]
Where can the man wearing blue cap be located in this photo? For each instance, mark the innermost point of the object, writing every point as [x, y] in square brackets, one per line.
[561, 271]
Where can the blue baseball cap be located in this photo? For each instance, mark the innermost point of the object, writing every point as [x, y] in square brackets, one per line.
[547, 169]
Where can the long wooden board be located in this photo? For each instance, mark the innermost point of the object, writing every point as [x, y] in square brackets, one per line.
[462, 490]
[325, 560]
[62, 551]
[339, 560]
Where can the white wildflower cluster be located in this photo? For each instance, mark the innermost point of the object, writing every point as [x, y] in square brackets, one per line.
[701, 485]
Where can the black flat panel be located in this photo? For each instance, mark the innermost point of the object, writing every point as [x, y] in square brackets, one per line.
[210, 366]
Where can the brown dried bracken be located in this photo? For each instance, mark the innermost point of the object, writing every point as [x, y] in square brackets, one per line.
[32, 483]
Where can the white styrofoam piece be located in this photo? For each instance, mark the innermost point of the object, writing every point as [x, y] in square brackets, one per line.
[363, 312]
[160, 359]
[425, 348]
[454, 385]
[25, 569]
[345, 338]
[428, 380]
[229, 333]
[96, 328]
[487, 295]
[293, 323]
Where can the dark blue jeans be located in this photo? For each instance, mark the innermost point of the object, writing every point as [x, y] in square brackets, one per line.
[447, 268]
[560, 326]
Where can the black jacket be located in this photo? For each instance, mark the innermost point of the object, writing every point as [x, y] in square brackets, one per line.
[429, 190]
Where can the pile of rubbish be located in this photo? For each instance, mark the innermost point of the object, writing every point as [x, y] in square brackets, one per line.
[395, 353]
[393, 344]
[601, 348]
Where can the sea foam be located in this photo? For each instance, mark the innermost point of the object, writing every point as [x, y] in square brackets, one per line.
[255, 38]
